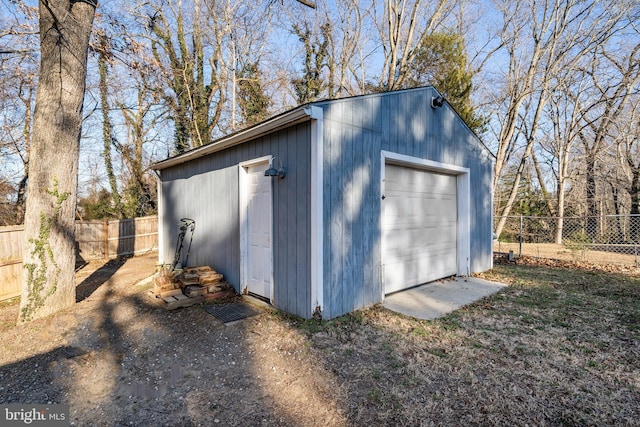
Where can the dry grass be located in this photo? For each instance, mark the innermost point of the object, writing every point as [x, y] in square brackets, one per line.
[558, 347]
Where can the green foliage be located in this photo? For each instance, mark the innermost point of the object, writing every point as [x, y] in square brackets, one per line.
[138, 199]
[253, 101]
[311, 326]
[310, 85]
[441, 61]
[530, 200]
[189, 70]
[7, 206]
[97, 206]
[38, 272]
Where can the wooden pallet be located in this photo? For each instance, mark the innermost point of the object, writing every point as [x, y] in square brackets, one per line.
[190, 286]
[176, 299]
[227, 293]
[169, 293]
[211, 278]
[195, 290]
[181, 300]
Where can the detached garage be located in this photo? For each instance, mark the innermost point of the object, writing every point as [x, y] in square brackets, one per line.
[329, 207]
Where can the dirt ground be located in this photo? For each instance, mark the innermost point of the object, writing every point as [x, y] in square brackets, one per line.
[118, 359]
[523, 357]
[576, 254]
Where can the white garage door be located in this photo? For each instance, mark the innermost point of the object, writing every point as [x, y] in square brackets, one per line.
[419, 222]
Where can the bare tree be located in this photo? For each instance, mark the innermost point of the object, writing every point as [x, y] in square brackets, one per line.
[18, 79]
[626, 161]
[403, 27]
[140, 119]
[347, 51]
[49, 247]
[190, 68]
[612, 86]
[103, 50]
[344, 39]
[563, 114]
[250, 32]
[632, 155]
[541, 39]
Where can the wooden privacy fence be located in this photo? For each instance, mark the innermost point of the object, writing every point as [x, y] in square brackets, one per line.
[111, 239]
[10, 261]
[94, 240]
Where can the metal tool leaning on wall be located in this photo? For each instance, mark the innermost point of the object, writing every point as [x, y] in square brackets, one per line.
[186, 224]
[182, 286]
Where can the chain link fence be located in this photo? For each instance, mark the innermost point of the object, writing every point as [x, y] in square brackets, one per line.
[608, 239]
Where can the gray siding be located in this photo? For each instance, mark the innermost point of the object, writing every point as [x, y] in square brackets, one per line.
[355, 130]
[206, 189]
[351, 216]
[208, 199]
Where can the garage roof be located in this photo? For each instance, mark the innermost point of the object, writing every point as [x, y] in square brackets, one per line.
[286, 119]
[283, 120]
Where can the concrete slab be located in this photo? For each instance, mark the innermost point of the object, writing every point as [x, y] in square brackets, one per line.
[436, 299]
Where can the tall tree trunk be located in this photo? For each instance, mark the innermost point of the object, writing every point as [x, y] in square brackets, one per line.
[513, 192]
[560, 212]
[563, 155]
[48, 283]
[543, 185]
[137, 189]
[616, 209]
[592, 206]
[402, 31]
[106, 127]
[191, 72]
[22, 195]
[541, 102]
[26, 131]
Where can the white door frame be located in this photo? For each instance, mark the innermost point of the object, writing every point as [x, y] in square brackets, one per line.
[463, 199]
[243, 186]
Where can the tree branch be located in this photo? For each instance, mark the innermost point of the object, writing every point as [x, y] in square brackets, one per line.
[307, 3]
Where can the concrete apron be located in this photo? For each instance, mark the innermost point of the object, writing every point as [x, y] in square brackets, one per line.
[436, 299]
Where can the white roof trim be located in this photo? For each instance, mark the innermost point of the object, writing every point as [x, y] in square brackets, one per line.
[287, 119]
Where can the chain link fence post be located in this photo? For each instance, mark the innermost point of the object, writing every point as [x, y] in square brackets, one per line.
[521, 231]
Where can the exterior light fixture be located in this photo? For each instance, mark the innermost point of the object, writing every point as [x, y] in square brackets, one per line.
[272, 171]
[437, 101]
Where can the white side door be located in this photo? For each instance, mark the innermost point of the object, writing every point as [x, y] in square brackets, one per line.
[259, 265]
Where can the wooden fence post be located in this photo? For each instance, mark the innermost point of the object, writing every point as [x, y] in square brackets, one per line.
[105, 237]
